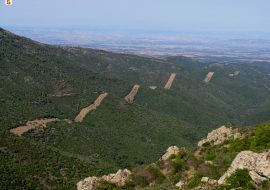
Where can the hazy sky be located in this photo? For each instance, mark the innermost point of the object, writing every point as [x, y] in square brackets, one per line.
[171, 15]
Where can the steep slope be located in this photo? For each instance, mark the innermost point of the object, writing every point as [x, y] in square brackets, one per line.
[28, 165]
[237, 99]
[40, 81]
[246, 92]
[228, 158]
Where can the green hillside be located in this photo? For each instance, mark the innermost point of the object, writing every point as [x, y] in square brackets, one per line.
[190, 165]
[237, 99]
[44, 81]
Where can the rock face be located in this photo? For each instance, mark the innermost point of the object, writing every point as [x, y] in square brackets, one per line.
[205, 179]
[180, 184]
[220, 135]
[91, 183]
[119, 178]
[173, 150]
[258, 165]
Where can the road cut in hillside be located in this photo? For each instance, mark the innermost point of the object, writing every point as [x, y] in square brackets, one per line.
[130, 97]
[209, 77]
[170, 81]
[32, 125]
[85, 111]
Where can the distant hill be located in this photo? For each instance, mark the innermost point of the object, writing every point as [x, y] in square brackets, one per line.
[44, 81]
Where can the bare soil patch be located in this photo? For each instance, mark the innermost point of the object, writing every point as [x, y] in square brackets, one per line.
[85, 111]
[32, 125]
[130, 97]
[170, 81]
[209, 77]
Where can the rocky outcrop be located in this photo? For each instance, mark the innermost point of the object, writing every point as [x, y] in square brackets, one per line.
[220, 135]
[173, 150]
[119, 178]
[91, 183]
[208, 180]
[180, 184]
[258, 165]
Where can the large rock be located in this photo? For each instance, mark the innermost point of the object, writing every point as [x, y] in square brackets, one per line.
[258, 165]
[91, 183]
[180, 184]
[208, 181]
[205, 179]
[220, 135]
[119, 178]
[173, 150]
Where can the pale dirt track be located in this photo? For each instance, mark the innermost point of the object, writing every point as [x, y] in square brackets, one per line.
[32, 125]
[170, 81]
[85, 111]
[209, 77]
[130, 97]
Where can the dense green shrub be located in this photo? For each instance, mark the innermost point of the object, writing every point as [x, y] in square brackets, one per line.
[195, 181]
[177, 166]
[178, 162]
[265, 185]
[211, 156]
[104, 185]
[159, 177]
[261, 140]
[239, 179]
[138, 180]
